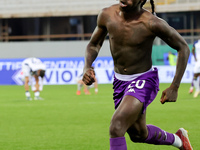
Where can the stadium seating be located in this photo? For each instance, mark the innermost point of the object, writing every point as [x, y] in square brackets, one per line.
[164, 2]
[177, 5]
[42, 8]
[28, 8]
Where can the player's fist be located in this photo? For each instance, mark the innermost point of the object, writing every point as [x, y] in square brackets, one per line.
[89, 76]
[169, 95]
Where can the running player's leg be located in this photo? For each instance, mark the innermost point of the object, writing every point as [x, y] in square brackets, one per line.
[154, 135]
[128, 117]
[134, 118]
[125, 115]
[157, 136]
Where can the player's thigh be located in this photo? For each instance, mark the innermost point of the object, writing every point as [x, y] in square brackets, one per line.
[129, 111]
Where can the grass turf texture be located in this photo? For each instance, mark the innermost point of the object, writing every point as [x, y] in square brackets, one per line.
[65, 121]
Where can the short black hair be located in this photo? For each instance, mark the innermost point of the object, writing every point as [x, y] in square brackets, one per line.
[42, 73]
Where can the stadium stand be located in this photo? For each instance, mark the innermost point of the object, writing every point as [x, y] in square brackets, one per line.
[43, 8]
[180, 14]
[161, 2]
[177, 5]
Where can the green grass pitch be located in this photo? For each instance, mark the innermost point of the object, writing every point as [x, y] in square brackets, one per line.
[65, 121]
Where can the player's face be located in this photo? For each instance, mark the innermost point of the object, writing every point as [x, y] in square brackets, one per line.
[129, 5]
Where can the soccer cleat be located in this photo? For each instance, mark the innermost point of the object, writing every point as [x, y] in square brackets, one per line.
[183, 135]
[28, 98]
[196, 94]
[78, 93]
[38, 98]
[191, 90]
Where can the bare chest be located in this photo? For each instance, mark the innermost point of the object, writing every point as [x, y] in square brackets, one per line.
[123, 32]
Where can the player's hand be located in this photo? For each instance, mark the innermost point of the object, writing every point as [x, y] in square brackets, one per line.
[89, 76]
[169, 95]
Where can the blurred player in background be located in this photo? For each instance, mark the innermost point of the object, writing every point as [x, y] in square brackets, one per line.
[132, 31]
[172, 59]
[86, 88]
[33, 68]
[196, 54]
[191, 87]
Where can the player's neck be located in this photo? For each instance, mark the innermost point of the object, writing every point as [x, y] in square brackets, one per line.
[131, 15]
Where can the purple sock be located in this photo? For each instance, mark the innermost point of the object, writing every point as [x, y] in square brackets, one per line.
[118, 143]
[158, 137]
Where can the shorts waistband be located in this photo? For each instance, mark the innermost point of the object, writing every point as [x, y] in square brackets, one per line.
[123, 77]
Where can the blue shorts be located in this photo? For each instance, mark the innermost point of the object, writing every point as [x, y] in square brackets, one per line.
[143, 86]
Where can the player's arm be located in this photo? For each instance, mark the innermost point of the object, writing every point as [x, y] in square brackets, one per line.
[174, 40]
[94, 47]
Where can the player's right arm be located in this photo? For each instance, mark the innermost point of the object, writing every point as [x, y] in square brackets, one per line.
[94, 47]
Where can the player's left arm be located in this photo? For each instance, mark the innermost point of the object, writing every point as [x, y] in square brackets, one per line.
[175, 41]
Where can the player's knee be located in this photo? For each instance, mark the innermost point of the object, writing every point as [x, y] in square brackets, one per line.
[116, 129]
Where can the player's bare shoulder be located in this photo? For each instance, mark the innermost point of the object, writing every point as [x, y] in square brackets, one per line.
[110, 9]
[106, 12]
[157, 25]
[148, 19]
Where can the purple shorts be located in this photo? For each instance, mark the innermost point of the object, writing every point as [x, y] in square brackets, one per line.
[144, 87]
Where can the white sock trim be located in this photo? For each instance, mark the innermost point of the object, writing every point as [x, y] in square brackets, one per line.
[177, 141]
[27, 93]
[37, 93]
